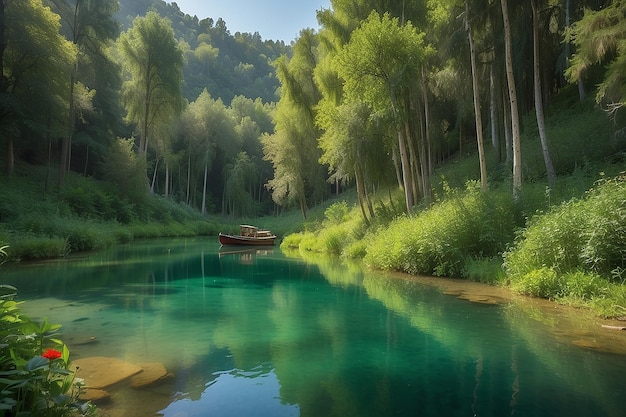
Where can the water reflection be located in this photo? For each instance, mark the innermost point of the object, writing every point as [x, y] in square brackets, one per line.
[235, 393]
[259, 334]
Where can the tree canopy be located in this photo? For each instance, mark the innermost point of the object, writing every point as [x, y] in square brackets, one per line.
[234, 124]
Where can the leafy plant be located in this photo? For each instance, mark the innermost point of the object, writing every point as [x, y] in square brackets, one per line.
[35, 375]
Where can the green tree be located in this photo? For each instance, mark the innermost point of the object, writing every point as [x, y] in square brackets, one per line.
[476, 91]
[90, 25]
[153, 63]
[35, 65]
[515, 122]
[381, 65]
[240, 177]
[292, 149]
[352, 145]
[539, 97]
[600, 36]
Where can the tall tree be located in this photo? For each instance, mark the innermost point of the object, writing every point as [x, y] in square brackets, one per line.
[153, 63]
[351, 144]
[90, 25]
[539, 98]
[515, 127]
[381, 65]
[601, 36]
[476, 90]
[292, 149]
[35, 64]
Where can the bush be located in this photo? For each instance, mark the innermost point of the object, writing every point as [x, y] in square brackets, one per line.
[485, 270]
[439, 239]
[579, 235]
[32, 247]
[336, 213]
[543, 282]
[35, 379]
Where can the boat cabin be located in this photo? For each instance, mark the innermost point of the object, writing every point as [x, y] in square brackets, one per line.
[253, 231]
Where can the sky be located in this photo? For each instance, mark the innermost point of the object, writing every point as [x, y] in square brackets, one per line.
[273, 19]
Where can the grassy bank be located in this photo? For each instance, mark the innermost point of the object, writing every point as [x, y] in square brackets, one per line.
[85, 215]
[566, 243]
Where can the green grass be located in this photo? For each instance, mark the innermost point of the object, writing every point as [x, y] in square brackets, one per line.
[86, 215]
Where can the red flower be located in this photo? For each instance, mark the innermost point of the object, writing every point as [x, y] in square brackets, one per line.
[52, 354]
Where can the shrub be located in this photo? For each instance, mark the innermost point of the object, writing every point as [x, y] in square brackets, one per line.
[579, 235]
[485, 270]
[336, 212]
[32, 247]
[439, 239]
[543, 282]
[35, 379]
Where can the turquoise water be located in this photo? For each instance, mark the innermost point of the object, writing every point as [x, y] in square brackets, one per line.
[260, 334]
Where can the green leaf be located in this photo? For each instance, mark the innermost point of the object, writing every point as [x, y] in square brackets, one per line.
[37, 363]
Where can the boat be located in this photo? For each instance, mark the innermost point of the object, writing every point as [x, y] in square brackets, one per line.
[249, 236]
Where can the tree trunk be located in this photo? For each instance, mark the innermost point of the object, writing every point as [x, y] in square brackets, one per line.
[167, 178]
[360, 192]
[10, 156]
[204, 184]
[477, 112]
[431, 167]
[404, 158]
[506, 119]
[493, 115]
[66, 142]
[515, 128]
[538, 99]
[154, 174]
[413, 160]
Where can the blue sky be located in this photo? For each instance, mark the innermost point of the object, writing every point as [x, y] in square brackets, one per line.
[273, 19]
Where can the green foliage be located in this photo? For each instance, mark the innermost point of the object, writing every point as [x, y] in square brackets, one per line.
[486, 270]
[34, 247]
[601, 35]
[575, 252]
[586, 235]
[336, 213]
[35, 375]
[438, 240]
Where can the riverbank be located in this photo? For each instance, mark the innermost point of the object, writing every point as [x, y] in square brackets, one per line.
[577, 326]
[571, 252]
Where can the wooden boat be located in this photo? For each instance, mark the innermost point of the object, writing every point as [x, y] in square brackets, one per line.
[249, 236]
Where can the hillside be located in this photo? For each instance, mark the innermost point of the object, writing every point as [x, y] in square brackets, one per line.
[227, 64]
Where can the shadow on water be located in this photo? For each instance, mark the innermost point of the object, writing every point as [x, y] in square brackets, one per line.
[256, 333]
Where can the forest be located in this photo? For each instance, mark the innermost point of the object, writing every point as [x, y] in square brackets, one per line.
[134, 111]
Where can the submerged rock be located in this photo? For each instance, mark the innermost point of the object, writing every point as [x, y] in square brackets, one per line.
[100, 372]
[151, 373]
[94, 395]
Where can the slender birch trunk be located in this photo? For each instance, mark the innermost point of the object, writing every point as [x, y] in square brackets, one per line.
[539, 101]
[515, 128]
[477, 112]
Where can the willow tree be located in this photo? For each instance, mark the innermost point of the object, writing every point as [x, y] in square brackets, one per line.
[292, 149]
[351, 144]
[381, 65]
[153, 64]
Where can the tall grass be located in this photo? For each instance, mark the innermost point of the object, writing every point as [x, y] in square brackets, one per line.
[576, 251]
[440, 239]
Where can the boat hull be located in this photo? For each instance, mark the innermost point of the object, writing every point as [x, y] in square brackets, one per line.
[235, 240]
